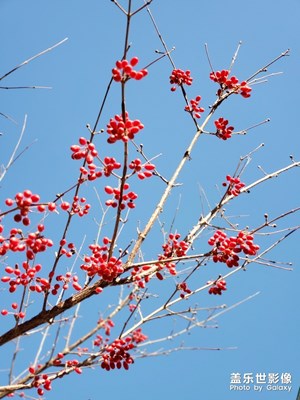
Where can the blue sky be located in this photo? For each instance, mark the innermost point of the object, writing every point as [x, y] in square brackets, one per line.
[263, 331]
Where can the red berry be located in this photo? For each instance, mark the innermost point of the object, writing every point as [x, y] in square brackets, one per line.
[134, 61]
[65, 206]
[9, 202]
[109, 190]
[35, 198]
[51, 207]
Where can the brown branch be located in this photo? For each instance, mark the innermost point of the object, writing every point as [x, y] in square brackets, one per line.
[47, 316]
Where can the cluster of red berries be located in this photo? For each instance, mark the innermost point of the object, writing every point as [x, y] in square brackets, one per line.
[40, 382]
[74, 364]
[226, 249]
[116, 354]
[106, 325]
[98, 341]
[86, 150]
[140, 276]
[179, 77]
[244, 90]
[69, 251]
[58, 360]
[194, 108]
[27, 278]
[78, 207]
[142, 170]
[34, 243]
[23, 201]
[124, 70]
[99, 264]
[223, 131]
[218, 286]
[69, 363]
[230, 83]
[138, 336]
[109, 164]
[184, 289]
[222, 77]
[120, 129]
[172, 248]
[17, 277]
[14, 306]
[66, 280]
[234, 185]
[14, 243]
[127, 198]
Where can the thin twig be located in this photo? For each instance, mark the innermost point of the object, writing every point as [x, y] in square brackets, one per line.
[265, 68]
[25, 87]
[12, 158]
[235, 56]
[33, 58]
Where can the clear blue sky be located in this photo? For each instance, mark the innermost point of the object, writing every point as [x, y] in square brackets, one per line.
[265, 330]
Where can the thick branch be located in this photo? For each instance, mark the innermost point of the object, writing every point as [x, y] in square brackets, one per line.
[46, 316]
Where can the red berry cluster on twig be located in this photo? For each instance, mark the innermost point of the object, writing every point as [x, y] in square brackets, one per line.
[127, 198]
[138, 336]
[179, 77]
[218, 286]
[16, 241]
[24, 201]
[36, 243]
[172, 248]
[193, 107]
[33, 244]
[184, 289]
[120, 129]
[22, 277]
[234, 185]
[143, 170]
[17, 314]
[99, 264]
[124, 70]
[116, 354]
[110, 164]
[86, 150]
[223, 131]
[226, 249]
[140, 276]
[69, 251]
[78, 206]
[66, 280]
[230, 83]
[40, 381]
[106, 325]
